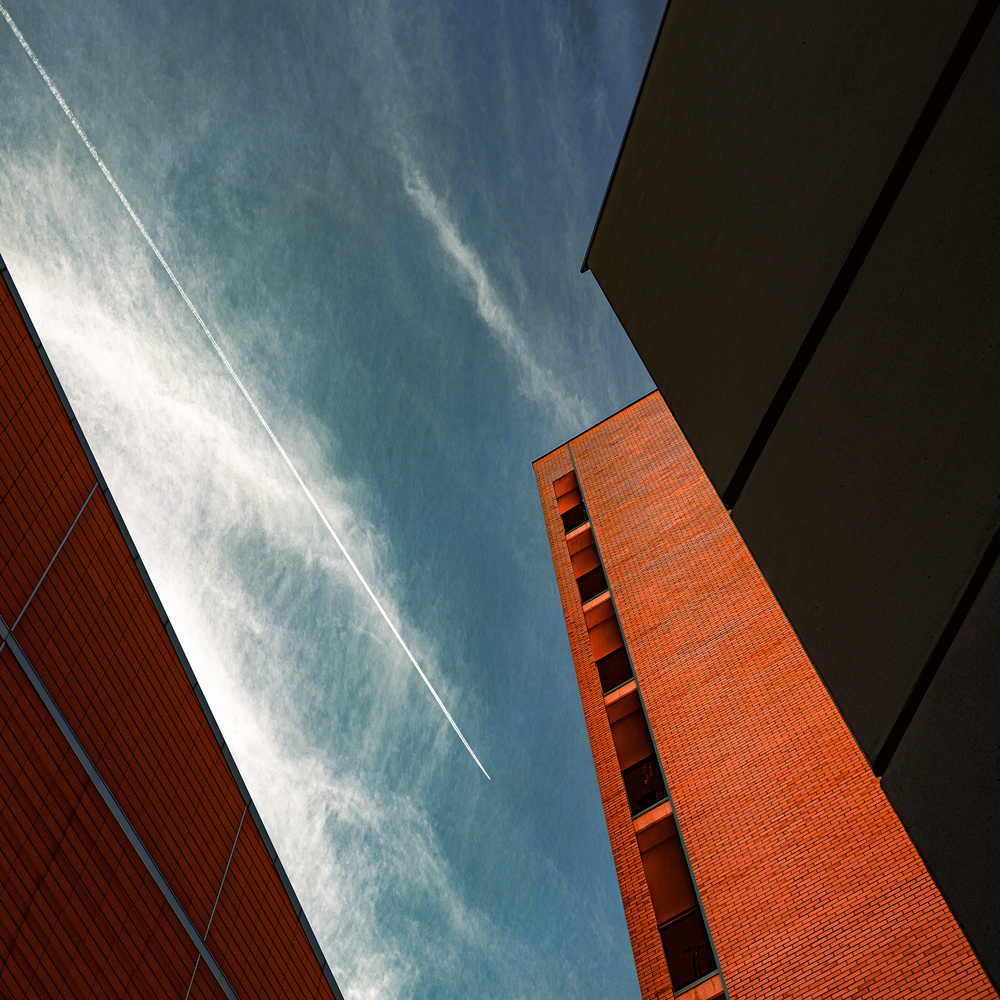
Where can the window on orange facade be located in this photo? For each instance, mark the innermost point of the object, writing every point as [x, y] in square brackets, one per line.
[586, 560]
[644, 785]
[570, 502]
[614, 670]
[591, 584]
[688, 951]
[574, 517]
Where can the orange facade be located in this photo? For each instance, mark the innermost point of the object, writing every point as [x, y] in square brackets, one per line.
[753, 808]
[132, 860]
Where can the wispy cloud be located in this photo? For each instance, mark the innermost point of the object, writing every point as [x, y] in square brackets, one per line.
[536, 382]
[215, 518]
[239, 558]
[239, 384]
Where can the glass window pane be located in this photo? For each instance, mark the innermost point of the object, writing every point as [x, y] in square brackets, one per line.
[685, 942]
[644, 785]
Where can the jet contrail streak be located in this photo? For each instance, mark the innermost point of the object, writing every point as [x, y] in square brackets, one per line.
[246, 395]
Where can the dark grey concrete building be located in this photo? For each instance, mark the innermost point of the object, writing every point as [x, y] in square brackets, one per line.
[801, 237]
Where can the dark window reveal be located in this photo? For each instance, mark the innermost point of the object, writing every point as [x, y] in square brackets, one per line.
[689, 955]
[644, 785]
[614, 669]
[574, 517]
[569, 501]
[591, 584]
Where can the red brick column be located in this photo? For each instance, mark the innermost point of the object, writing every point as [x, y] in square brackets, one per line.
[810, 885]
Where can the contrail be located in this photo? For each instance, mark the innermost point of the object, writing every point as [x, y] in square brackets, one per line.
[246, 395]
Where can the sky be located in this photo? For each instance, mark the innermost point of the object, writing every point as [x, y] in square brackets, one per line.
[380, 211]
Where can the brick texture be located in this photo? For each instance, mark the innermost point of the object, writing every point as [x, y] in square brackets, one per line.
[810, 885]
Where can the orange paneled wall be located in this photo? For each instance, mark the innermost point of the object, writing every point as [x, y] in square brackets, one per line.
[81, 912]
[809, 883]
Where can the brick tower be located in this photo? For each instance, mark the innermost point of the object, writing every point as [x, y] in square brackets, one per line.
[756, 853]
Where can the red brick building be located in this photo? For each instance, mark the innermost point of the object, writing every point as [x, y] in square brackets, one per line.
[756, 853]
[132, 860]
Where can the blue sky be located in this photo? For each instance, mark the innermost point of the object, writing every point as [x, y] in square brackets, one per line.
[380, 211]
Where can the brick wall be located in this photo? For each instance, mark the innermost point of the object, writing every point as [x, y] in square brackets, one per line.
[810, 885]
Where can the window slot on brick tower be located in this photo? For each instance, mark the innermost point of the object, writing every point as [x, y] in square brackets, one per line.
[592, 584]
[675, 904]
[644, 783]
[587, 568]
[607, 645]
[614, 669]
[688, 951]
[570, 502]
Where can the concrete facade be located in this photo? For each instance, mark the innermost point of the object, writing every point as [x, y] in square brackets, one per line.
[801, 239]
[132, 860]
[807, 880]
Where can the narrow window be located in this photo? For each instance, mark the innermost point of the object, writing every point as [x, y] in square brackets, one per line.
[644, 783]
[614, 670]
[607, 645]
[586, 562]
[574, 517]
[688, 951]
[570, 502]
[675, 904]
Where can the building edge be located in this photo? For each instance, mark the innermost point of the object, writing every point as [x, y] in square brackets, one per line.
[603, 420]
